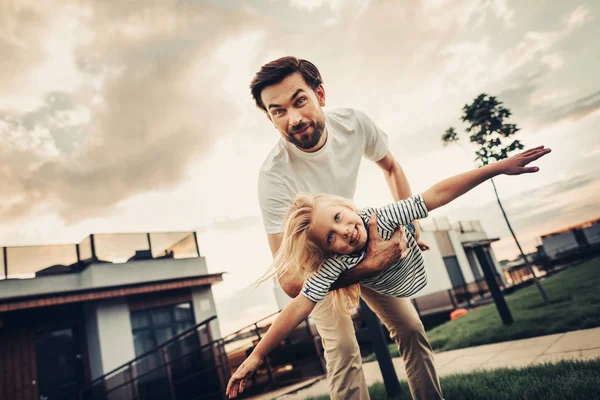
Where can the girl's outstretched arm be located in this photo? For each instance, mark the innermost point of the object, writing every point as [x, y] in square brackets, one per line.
[449, 189]
[291, 316]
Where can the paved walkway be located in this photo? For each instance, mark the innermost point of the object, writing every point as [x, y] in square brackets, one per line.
[576, 345]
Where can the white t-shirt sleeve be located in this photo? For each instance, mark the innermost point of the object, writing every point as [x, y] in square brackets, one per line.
[375, 140]
[274, 200]
[317, 285]
[402, 212]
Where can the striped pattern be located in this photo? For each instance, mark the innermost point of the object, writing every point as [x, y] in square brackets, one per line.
[402, 279]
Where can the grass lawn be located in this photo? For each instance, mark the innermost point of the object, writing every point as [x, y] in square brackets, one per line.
[565, 380]
[575, 297]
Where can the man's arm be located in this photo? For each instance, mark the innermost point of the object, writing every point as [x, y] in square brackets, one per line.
[395, 177]
[290, 283]
[399, 187]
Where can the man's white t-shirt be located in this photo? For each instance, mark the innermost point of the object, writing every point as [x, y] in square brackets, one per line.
[333, 169]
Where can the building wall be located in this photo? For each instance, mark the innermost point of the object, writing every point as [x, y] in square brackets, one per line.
[592, 233]
[204, 308]
[108, 330]
[281, 297]
[554, 244]
[105, 275]
[459, 251]
[93, 340]
[442, 242]
[437, 275]
[497, 265]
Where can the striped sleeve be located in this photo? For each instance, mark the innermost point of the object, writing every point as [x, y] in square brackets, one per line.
[317, 285]
[402, 212]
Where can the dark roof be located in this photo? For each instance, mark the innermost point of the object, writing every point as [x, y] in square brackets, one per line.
[477, 243]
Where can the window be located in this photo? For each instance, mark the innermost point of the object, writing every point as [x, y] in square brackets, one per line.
[154, 326]
[454, 272]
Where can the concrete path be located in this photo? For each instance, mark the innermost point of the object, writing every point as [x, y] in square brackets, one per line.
[576, 345]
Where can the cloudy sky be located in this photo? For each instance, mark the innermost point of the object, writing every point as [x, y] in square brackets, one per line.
[136, 116]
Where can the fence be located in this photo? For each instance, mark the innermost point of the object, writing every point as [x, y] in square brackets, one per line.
[188, 366]
[30, 261]
[193, 366]
[297, 358]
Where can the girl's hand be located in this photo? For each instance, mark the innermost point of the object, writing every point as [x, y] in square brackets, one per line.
[244, 371]
[516, 165]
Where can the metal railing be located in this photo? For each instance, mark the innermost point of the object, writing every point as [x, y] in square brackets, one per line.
[187, 366]
[297, 358]
[194, 366]
[23, 262]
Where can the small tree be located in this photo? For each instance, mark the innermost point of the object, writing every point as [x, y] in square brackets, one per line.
[488, 131]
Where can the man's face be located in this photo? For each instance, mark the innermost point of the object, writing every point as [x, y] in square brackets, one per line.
[295, 110]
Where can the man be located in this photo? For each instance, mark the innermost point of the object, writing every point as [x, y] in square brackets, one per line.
[321, 153]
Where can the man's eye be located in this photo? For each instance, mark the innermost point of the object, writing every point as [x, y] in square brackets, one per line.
[337, 217]
[329, 238]
[278, 112]
[301, 101]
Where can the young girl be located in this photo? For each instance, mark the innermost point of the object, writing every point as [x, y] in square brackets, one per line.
[325, 235]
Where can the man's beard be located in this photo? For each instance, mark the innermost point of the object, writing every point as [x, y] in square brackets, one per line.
[307, 140]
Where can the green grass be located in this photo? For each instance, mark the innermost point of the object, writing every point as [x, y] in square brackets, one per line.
[575, 297]
[565, 380]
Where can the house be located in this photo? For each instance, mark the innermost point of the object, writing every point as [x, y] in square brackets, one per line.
[455, 275]
[574, 239]
[70, 314]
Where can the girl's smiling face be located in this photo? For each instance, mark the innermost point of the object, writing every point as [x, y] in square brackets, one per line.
[337, 229]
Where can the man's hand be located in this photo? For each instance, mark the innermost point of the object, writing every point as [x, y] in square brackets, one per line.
[422, 245]
[291, 283]
[381, 254]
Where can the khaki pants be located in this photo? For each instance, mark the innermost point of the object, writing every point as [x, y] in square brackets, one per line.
[342, 354]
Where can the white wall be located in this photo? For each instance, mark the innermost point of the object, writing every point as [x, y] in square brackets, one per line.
[101, 275]
[497, 265]
[93, 340]
[472, 236]
[459, 251]
[204, 308]
[558, 243]
[437, 274]
[592, 233]
[281, 297]
[108, 330]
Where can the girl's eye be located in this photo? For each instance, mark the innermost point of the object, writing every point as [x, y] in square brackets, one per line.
[329, 238]
[337, 217]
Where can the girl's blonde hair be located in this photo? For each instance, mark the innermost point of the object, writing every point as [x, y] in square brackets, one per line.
[299, 255]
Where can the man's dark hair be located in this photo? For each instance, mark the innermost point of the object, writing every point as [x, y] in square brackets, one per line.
[275, 71]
